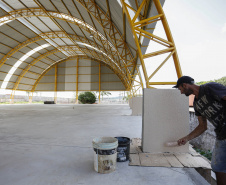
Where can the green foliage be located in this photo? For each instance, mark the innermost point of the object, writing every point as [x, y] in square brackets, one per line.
[104, 93]
[126, 98]
[207, 154]
[220, 81]
[87, 97]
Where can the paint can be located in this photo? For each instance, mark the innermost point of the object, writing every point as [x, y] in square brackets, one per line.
[123, 149]
[105, 154]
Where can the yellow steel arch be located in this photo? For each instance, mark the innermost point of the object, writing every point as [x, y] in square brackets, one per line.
[70, 48]
[138, 28]
[124, 61]
[137, 84]
[39, 12]
[104, 19]
[52, 35]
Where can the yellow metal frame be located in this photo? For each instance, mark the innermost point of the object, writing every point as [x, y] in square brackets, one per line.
[53, 35]
[125, 64]
[104, 18]
[138, 28]
[124, 56]
[136, 85]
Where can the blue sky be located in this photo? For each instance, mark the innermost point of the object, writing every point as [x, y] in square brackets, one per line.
[199, 31]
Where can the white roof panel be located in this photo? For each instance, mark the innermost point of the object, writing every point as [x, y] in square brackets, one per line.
[15, 4]
[39, 24]
[29, 3]
[47, 21]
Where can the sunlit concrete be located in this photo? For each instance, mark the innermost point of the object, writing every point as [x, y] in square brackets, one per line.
[52, 144]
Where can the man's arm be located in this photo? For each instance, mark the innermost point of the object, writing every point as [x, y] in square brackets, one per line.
[224, 98]
[196, 132]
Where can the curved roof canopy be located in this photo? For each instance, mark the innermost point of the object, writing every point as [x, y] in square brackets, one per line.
[63, 45]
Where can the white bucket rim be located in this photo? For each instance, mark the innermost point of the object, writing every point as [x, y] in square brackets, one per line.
[105, 143]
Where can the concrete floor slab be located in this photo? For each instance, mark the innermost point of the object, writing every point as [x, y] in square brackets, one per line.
[52, 145]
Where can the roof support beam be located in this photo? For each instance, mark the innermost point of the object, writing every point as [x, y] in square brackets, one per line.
[111, 30]
[51, 35]
[55, 22]
[169, 36]
[39, 12]
[25, 70]
[138, 28]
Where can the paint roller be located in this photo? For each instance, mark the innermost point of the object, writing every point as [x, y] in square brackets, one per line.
[171, 144]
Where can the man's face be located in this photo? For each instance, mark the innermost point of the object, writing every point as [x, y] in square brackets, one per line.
[185, 90]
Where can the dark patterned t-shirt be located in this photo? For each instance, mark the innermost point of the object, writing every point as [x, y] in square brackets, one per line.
[210, 104]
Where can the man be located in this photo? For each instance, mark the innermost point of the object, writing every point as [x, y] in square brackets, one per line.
[209, 104]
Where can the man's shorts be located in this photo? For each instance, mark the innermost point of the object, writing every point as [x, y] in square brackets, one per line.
[218, 162]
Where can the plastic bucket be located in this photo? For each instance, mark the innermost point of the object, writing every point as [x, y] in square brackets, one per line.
[123, 149]
[105, 154]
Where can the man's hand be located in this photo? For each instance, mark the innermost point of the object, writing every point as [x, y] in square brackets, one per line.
[182, 141]
[196, 132]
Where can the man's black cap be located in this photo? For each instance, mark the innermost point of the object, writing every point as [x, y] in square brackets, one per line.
[184, 79]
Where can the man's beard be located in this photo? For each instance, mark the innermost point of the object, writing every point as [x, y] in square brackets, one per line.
[188, 92]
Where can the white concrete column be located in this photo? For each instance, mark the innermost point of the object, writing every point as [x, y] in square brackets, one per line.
[30, 100]
[130, 103]
[137, 103]
[11, 101]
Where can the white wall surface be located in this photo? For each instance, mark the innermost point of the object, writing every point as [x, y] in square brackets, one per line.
[165, 118]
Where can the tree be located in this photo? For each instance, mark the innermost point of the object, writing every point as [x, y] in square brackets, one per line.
[87, 97]
[220, 81]
[126, 98]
